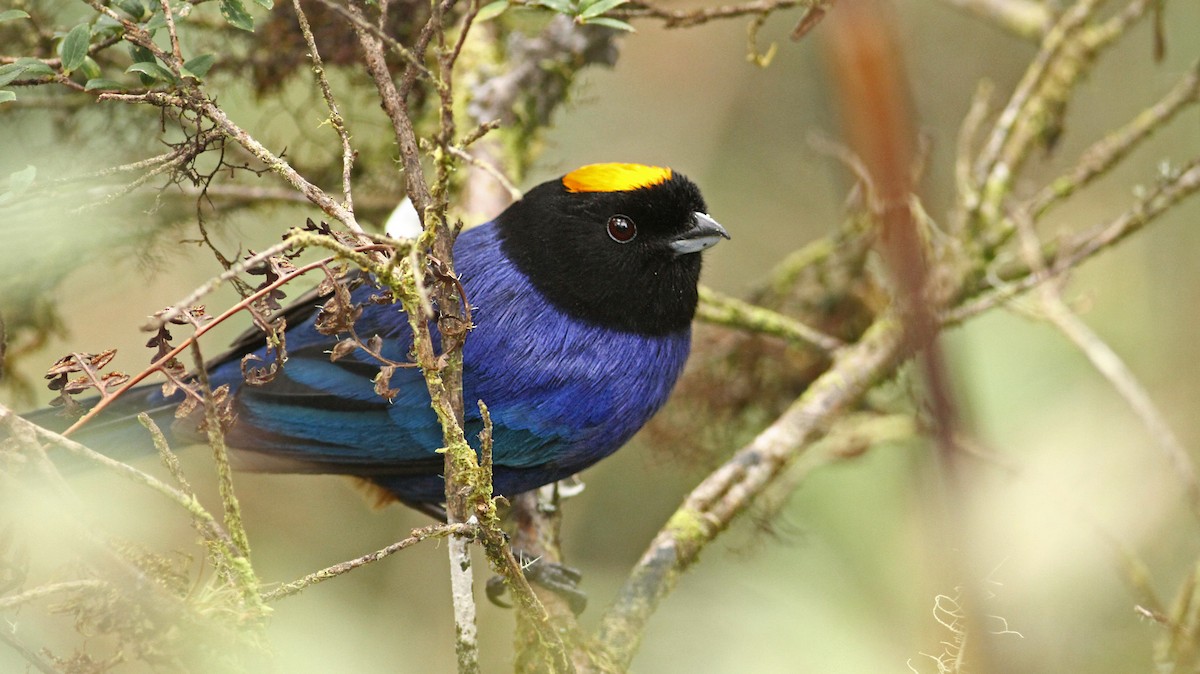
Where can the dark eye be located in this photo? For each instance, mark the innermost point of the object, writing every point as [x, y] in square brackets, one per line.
[621, 229]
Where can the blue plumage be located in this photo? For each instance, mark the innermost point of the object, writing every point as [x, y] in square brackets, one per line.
[562, 393]
[580, 332]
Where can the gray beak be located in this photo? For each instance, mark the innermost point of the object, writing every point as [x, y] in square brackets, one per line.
[704, 233]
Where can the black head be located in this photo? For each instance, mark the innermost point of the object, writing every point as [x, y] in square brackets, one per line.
[614, 244]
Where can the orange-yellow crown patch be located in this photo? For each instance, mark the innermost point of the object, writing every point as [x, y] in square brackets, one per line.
[614, 177]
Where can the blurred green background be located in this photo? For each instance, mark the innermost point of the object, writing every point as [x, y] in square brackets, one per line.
[845, 582]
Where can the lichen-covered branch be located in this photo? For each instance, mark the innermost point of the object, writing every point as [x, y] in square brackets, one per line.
[711, 507]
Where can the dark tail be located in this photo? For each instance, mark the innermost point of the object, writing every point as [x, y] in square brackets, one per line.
[115, 431]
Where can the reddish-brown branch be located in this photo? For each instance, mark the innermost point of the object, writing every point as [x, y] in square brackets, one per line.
[158, 364]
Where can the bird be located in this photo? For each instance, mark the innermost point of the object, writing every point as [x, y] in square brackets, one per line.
[582, 296]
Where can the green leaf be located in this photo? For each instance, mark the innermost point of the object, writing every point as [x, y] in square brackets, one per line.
[12, 15]
[6, 95]
[75, 47]
[153, 71]
[133, 8]
[198, 67]
[236, 15]
[159, 20]
[560, 6]
[615, 24]
[106, 26]
[102, 83]
[600, 7]
[10, 72]
[140, 54]
[90, 69]
[34, 67]
[265, 3]
[491, 10]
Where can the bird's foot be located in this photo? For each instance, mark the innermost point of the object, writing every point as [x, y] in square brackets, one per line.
[559, 579]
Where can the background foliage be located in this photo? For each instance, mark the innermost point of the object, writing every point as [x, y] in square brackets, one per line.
[1072, 513]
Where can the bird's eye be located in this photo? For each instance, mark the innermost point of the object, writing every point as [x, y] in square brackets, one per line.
[621, 229]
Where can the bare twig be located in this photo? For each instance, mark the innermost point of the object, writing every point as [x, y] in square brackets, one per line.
[44, 591]
[489, 169]
[1001, 155]
[1114, 147]
[56, 62]
[1068, 255]
[414, 537]
[275, 163]
[684, 18]
[169, 16]
[728, 491]
[354, 254]
[967, 134]
[1107, 362]
[724, 310]
[1024, 18]
[360, 24]
[396, 111]
[210, 529]
[314, 194]
[335, 117]
[31, 656]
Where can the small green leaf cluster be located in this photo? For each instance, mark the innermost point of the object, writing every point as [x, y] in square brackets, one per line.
[77, 47]
[590, 12]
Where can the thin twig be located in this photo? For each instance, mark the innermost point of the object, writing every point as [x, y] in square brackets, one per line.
[728, 491]
[1124, 382]
[214, 429]
[488, 168]
[211, 529]
[393, 105]
[31, 656]
[1025, 18]
[416, 536]
[275, 163]
[44, 591]
[56, 61]
[684, 18]
[1106, 361]
[967, 134]
[1115, 146]
[161, 164]
[335, 117]
[360, 24]
[246, 302]
[169, 16]
[721, 309]
[1019, 278]
[999, 158]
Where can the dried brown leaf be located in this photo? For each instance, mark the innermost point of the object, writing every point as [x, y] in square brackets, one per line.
[375, 344]
[186, 407]
[77, 385]
[342, 349]
[114, 379]
[257, 376]
[383, 383]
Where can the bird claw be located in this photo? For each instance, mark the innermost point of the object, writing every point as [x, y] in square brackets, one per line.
[559, 579]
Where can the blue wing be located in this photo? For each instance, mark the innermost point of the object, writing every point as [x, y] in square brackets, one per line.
[318, 415]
